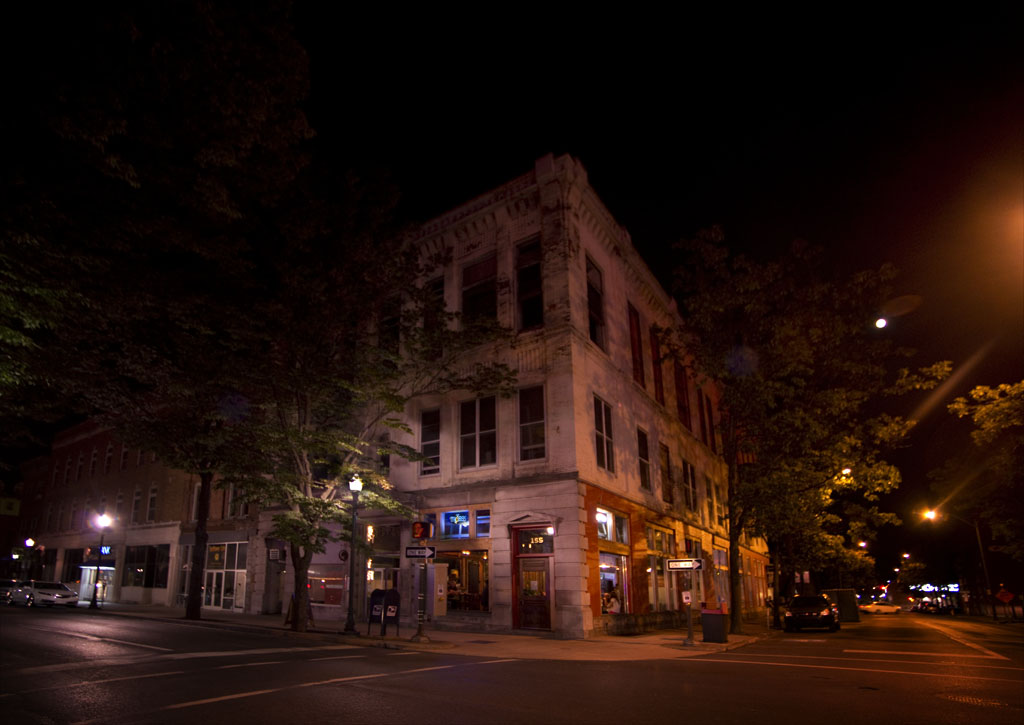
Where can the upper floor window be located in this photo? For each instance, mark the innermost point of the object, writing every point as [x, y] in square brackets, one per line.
[67, 471]
[478, 438]
[480, 290]
[108, 460]
[93, 460]
[151, 507]
[137, 507]
[659, 382]
[705, 413]
[124, 457]
[595, 304]
[682, 395]
[531, 423]
[636, 347]
[81, 465]
[237, 506]
[689, 485]
[530, 301]
[430, 441]
[603, 435]
[665, 468]
[644, 456]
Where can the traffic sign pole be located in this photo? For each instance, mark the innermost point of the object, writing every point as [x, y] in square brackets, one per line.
[421, 602]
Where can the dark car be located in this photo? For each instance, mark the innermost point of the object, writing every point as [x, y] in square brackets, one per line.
[811, 611]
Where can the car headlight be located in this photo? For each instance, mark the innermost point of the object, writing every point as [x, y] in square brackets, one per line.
[789, 614]
[825, 612]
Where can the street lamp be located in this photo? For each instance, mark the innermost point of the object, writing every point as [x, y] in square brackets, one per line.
[355, 486]
[932, 514]
[102, 521]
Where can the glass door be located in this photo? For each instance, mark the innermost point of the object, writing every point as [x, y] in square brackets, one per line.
[213, 592]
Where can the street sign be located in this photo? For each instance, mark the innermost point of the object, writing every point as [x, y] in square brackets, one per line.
[420, 552]
[684, 564]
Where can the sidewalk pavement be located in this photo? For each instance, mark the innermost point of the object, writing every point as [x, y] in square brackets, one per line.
[662, 644]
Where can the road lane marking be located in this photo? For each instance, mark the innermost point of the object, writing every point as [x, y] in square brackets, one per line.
[94, 638]
[872, 659]
[964, 642]
[848, 669]
[89, 683]
[250, 664]
[919, 654]
[332, 681]
[337, 657]
[399, 654]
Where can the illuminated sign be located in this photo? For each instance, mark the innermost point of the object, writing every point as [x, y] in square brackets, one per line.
[104, 550]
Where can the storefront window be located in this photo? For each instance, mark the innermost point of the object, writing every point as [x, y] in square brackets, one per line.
[468, 579]
[662, 586]
[614, 592]
[483, 522]
[455, 525]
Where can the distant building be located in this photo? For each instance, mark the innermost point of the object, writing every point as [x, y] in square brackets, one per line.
[555, 509]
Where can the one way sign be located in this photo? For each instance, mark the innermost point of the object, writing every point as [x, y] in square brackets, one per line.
[420, 552]
[685, 564]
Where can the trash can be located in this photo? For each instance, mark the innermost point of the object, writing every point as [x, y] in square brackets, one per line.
[712, 622]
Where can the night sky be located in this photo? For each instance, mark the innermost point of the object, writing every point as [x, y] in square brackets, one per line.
[880, 142]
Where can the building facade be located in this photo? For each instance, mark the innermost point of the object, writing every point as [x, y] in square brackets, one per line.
[554, 509]
[557, 508]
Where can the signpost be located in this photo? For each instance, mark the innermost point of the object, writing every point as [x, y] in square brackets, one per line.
[420, 552]
[689, 565]
[421, 530]
[684, 564]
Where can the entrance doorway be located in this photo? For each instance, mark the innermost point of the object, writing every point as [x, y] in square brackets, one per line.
[534, 552]
[213, 592]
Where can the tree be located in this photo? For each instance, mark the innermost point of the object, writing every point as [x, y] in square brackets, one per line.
[988, 483]
[798, 365]
[153, 142]
[350, 334]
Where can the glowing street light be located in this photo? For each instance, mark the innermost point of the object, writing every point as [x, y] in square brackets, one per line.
[881, 322]
[862, 544]
[102, 521]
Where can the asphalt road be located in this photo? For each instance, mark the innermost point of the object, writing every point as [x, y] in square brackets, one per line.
[71, 666]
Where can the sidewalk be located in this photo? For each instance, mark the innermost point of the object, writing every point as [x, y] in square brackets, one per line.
[663, 644]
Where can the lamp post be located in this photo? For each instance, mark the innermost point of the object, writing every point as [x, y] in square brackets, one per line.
[102, 521]
[355, 486]
[932, 514]
[30, 545]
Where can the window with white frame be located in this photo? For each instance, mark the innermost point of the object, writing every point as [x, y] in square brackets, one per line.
[644, 457]
[612, 526]
[636, 345]
[689, 475]
[151, 507]
[531, 423]
[478, 435]
[430, 441]
[603, 435]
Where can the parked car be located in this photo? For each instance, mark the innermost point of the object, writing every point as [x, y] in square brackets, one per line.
[31, 593]
[6, 587]
[880, 608]
[815, 610]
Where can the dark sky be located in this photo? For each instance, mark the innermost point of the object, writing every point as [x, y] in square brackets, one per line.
[879, 141]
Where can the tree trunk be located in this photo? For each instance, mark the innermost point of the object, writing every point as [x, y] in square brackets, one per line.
[776, 590]
[194, 602]
[735, 580]
[300, 599]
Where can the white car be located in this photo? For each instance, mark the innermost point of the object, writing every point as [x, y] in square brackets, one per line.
[880, 608]
[32, 593]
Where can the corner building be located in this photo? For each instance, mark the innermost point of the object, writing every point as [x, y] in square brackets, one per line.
[557, 508]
